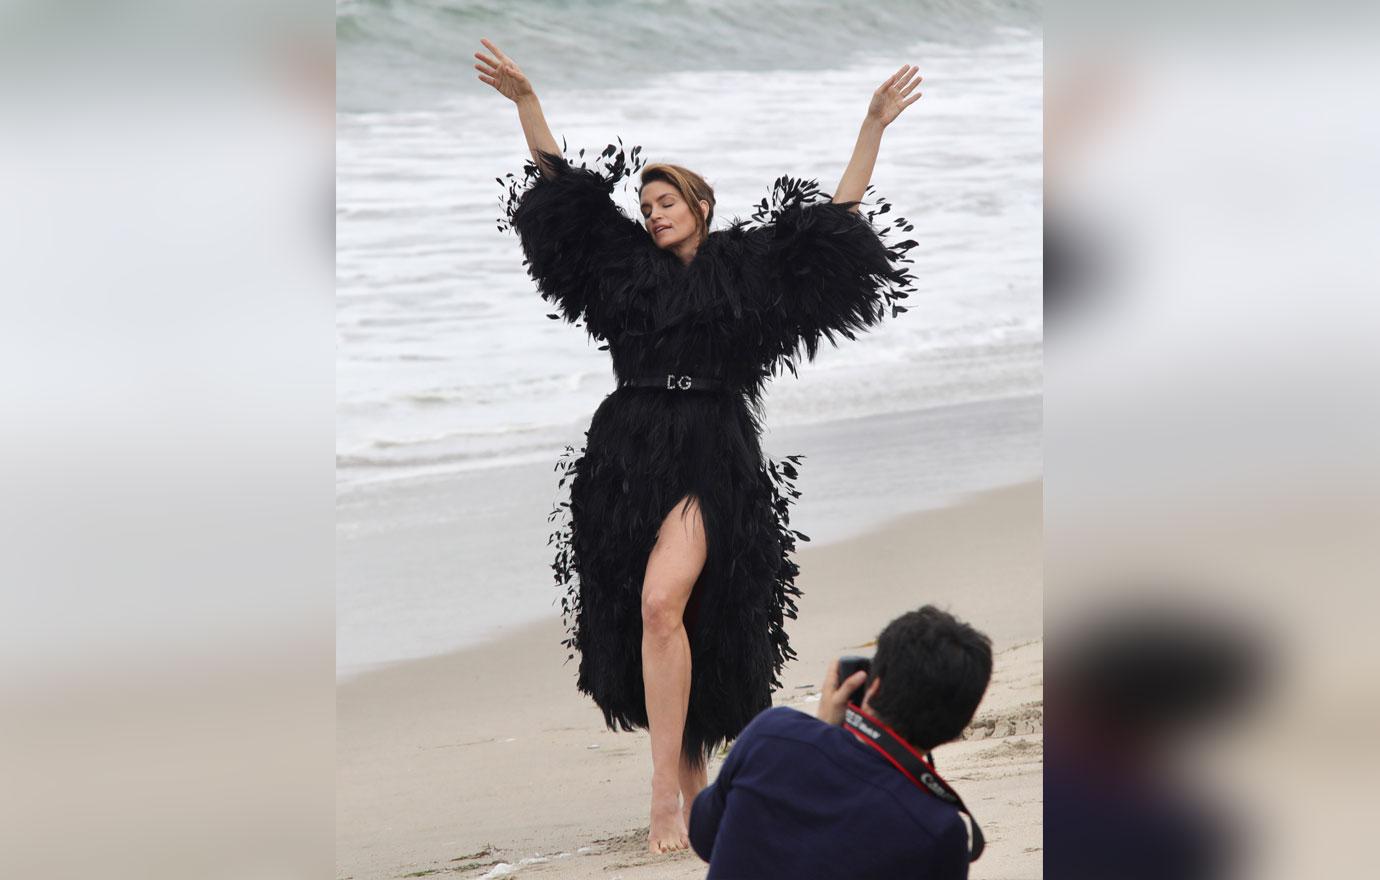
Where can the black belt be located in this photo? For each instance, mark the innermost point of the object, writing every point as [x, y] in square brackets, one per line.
[675, 382]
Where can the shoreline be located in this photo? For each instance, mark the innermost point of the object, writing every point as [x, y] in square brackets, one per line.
[520, 629]
[429, 565]
[377, 479]
[487, 755]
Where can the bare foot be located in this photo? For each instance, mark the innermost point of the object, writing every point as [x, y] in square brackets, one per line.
[668, 830]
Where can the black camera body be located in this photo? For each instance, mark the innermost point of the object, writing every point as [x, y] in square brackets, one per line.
[850, 665]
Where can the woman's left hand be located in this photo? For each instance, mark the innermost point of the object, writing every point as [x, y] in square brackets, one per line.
[894, 95]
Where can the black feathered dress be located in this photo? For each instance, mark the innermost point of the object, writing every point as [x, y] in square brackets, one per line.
[754, 299]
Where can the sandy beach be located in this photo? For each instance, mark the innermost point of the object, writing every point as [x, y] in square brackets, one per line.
[486, 762]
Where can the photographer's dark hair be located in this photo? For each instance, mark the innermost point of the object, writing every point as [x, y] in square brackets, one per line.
[933, 669]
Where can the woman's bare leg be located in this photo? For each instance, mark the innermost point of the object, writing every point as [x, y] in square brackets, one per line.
[672, 569]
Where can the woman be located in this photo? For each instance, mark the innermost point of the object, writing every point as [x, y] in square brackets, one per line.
[674, 546]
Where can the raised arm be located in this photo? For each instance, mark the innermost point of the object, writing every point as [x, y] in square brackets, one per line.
[503, 74]
[816, 268]
[588, 257]
[888, 101]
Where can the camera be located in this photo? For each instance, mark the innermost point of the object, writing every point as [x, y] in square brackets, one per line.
[850, 665]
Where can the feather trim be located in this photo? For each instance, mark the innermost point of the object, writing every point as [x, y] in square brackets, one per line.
[587, 256]
[818, 271]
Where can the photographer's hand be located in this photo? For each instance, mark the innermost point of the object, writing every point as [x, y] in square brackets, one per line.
[833, 697]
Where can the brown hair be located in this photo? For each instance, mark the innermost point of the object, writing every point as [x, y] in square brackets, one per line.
[692, 189]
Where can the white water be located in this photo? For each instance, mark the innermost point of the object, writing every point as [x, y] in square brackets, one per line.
[447, 362]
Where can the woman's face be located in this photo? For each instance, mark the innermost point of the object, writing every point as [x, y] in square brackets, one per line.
[667, 215]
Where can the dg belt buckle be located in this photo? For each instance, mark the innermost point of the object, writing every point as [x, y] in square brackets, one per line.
[682, 382]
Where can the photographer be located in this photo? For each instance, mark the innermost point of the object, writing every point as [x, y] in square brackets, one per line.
[851, 797]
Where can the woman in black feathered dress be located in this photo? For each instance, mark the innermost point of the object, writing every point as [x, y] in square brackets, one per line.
[673, 550]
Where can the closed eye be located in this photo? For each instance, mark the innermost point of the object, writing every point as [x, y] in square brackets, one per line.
[666, 204]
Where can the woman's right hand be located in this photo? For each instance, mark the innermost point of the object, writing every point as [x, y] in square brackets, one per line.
[502, 73]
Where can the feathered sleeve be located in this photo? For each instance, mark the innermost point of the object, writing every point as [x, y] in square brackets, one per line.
[580, 247]
[816, 270]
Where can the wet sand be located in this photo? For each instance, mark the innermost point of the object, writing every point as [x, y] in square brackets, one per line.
[487, 762]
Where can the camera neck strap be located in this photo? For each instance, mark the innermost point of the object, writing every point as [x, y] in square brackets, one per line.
[903, 757]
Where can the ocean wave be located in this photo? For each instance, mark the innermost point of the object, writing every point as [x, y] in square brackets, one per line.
[396, 53]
